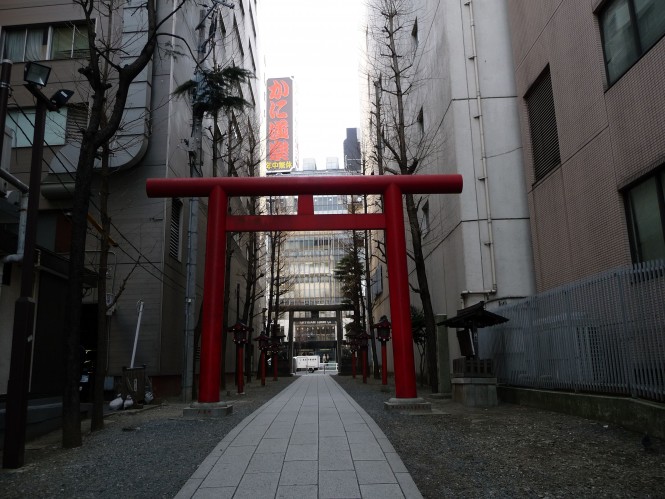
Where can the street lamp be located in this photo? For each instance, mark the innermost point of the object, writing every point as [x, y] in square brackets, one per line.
[275, 347]
[239, 332]
[36, 76]
[353, 344]
[363, 339]
[383, 335]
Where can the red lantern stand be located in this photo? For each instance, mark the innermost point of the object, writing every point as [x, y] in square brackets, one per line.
[239, 332]
[383, 335]
[264, 346]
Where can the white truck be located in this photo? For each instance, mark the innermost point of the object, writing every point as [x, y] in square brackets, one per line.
[308, 362]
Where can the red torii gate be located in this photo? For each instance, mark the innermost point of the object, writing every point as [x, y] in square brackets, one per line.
[218, 190]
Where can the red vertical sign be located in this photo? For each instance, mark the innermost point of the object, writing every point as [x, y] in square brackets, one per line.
[280, 125]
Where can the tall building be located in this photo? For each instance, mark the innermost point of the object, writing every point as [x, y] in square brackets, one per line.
[589, 83]
[148, 265]
[460, 116]
[352, 159]
[313, 302]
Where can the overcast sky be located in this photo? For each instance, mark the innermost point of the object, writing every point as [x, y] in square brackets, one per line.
[316, 42]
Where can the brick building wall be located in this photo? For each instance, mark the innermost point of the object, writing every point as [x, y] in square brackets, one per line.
[609, 136]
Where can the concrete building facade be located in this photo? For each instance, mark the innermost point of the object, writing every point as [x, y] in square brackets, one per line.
[461, 97]
[155, 140]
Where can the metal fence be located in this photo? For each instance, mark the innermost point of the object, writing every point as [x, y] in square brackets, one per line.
[605, 335]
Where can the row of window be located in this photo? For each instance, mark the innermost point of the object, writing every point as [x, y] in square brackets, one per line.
[45, 42]
[629, 28]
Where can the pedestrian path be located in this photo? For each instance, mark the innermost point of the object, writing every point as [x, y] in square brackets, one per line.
[311, 441]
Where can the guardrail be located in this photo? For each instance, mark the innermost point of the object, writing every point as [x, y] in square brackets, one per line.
[605, 334]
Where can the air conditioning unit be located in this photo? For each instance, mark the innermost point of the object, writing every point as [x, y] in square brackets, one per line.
[7, 142]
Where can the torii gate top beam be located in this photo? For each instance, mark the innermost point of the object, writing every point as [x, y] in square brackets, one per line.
[292, 186]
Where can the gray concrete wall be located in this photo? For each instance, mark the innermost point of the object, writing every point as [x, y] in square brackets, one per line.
[633, 414]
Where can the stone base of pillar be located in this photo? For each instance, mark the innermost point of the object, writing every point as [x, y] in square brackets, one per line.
[207, 410]
[417, 404]
[440, 396]
[475, 392]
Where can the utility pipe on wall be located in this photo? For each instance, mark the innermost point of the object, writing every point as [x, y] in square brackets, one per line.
[136, 335]
[483, 158]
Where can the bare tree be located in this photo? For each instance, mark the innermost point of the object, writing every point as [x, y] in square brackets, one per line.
[254, 248]
[402, 145]
[106, 90]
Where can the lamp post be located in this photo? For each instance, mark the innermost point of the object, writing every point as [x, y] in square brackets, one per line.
[264, 346]
[239, 332]
[352, 343]
[363, 338]
[383, 335]
[275, 347]
[36, 77]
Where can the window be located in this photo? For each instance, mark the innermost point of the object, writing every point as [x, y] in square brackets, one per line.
[176, 219]
[420, 120]
[251, 56]
[22, 123]
[251, 18]
[542, 125]
[238, 39]
[414, 35]
[39, 43]
[64, 125]
[376, 282]
[629, 28]
[25, 44]
[424, 219]
[645, 208]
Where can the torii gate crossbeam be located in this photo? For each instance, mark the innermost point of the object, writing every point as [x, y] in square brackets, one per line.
[218, 190]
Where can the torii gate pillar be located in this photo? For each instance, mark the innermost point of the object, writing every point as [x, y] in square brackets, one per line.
[220, 222]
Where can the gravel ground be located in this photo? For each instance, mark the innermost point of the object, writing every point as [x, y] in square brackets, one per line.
[514, 451]
[146, 453]
[507, 451]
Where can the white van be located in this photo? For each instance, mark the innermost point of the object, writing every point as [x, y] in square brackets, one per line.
[308, 362]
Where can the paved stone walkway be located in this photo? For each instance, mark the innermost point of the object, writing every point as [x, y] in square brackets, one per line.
[311, 441]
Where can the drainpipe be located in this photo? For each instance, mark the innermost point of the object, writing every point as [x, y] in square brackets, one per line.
[23, 220]
[483, 156]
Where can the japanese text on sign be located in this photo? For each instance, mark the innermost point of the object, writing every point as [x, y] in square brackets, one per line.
[280, 125]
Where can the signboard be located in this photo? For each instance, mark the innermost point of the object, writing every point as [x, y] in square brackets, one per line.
[280, 152]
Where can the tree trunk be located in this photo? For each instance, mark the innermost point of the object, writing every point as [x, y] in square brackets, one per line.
[71, 402]
[227, 301]
[97, 418]
[425, 297]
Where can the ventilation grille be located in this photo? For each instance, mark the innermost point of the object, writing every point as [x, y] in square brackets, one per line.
[174, 240]
[542, 123]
